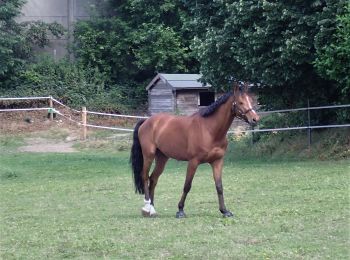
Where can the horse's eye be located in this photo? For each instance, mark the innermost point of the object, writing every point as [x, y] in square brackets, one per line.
[240, 103]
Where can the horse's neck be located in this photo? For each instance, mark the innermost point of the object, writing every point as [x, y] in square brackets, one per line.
[220, 122]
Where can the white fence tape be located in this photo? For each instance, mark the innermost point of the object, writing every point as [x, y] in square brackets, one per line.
[110, 128]
[302, 109]
[289, 128]
[145, 117]
[95, 126]
[24, 109]
[68, 117]
[61, 104]
[115, 115]
[243, 131]
[22, 98]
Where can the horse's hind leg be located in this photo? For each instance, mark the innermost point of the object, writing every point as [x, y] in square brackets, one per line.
[161, 160]
[148, 210]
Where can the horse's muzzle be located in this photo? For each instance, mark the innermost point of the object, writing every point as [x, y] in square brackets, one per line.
[253, 121]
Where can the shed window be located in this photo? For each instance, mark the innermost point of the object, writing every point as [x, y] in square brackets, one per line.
[206, 98]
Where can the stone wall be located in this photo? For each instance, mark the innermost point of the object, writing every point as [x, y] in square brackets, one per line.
[65, 12]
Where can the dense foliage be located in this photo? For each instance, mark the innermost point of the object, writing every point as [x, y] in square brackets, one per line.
[131, 40]
[333, 60]
[72, 83]
[17, 42]
[298, 51]
[271, 42]
[10, 38]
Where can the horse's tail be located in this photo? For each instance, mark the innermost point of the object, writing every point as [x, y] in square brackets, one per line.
[136, 159]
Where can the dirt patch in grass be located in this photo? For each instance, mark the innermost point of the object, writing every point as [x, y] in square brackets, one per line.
[41, 145]
[39, 134]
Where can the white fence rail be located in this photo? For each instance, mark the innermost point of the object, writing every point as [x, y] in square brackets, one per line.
[22, 98]
[115, 115]
[303, 109]
[291, 128]
[23, 109]
[54, 110]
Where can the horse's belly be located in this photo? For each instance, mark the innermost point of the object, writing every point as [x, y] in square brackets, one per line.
[173, 147]
[215, 154]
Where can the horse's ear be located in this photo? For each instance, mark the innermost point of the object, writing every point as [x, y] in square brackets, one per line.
[235, 88]
[246, 87]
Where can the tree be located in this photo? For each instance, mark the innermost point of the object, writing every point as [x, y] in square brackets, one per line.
[17, 40]
[333, 61]
[130, 41]
[270, 42]
[10, 38]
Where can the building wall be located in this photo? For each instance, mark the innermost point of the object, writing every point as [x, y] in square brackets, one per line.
[160, 98]
[65, 12]
[186, 102]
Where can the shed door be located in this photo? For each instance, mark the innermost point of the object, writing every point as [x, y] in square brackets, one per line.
[206, 98]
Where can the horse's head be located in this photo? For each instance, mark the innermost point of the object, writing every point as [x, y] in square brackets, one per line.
[242, 105]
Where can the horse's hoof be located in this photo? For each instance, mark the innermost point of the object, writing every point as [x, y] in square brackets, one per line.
[180, 214]
[148, 214]
[227, 214]
[148, 211]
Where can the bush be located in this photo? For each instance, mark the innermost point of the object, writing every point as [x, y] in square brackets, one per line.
[71, 83]
[326, 144]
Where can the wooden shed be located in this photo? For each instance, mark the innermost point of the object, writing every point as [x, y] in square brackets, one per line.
[178, 94]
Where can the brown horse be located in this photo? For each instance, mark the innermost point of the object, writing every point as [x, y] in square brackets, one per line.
[199, 138]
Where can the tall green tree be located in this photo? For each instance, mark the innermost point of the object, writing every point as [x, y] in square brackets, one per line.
[17, 41]
[333, 60]
[270, 42]
[10, 38]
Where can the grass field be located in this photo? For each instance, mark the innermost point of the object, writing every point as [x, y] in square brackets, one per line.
[82, 205]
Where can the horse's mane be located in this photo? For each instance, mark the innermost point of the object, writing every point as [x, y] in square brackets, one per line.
[209, 110]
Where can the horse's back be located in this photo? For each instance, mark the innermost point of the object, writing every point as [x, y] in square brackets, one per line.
[168, 125]
[168, 133]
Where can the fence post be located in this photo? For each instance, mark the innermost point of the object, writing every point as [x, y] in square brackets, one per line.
[309, 123]
[84, 120]
[51, 108]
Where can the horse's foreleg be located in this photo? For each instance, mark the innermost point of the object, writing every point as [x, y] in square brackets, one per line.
[161, 160]
[191, 170]
[217, 173]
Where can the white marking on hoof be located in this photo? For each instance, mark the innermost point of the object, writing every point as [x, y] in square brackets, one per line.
[148, 210]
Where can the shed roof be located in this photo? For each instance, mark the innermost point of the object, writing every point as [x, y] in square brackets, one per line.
[179, 81]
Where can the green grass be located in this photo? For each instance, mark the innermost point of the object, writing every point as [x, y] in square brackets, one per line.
[82, 206]
[330, 144]
[9, 143]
